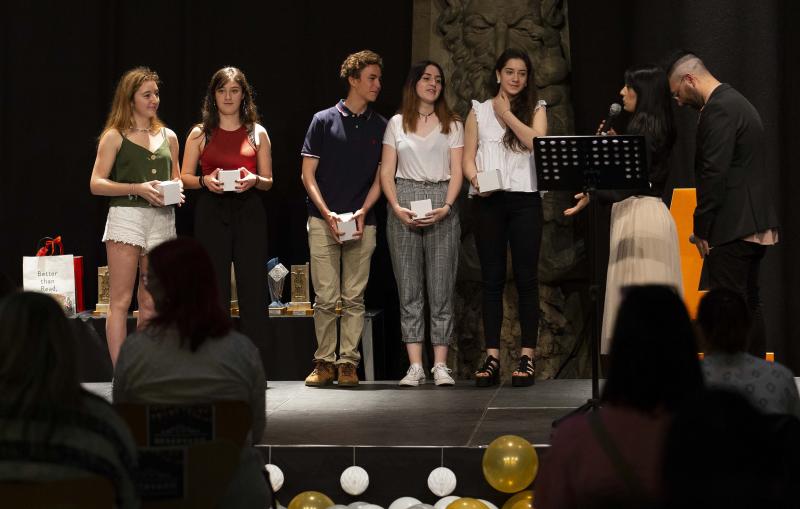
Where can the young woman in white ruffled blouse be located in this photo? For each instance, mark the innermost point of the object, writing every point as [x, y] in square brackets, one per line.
[498, 136]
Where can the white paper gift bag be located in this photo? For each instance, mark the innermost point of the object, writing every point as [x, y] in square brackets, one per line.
[53, 275]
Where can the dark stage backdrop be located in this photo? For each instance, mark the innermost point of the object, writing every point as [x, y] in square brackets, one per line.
[60, 64]
[752, 45]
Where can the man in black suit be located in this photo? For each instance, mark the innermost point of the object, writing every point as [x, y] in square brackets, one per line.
[735, 219]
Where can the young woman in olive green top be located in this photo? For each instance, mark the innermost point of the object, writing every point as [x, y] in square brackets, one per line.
[136, 152]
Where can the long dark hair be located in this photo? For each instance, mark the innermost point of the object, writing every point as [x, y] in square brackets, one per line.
[248, 113]
[653, 361]
[522, 104]
[186, 294]
[409, 108]
[653, 115]
[38, 368]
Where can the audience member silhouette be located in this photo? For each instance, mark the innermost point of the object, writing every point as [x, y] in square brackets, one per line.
[724, 324]
[721, 452]
[50, 428]
[612, 456]
[188, 353]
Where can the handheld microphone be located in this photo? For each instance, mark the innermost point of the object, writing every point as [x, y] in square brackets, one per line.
[605, 124]
[613, 110]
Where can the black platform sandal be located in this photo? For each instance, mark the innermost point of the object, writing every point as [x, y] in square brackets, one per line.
[491, 366]
[527, 367]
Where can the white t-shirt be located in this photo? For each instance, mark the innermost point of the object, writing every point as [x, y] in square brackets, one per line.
[424, 159]
[516, 168]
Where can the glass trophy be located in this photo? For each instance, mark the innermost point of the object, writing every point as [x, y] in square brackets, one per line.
[275, 280]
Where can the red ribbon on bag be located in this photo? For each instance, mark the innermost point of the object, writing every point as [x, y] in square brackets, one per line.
[49, 247]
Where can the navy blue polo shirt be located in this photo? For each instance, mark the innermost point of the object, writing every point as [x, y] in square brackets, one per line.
[348, 147]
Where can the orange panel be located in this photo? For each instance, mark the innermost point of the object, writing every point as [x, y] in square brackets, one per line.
[682, 208]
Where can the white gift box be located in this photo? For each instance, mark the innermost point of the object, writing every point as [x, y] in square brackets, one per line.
[228, 179]
[489, 181]
[171, 191]
[420, 208]
[347, 226]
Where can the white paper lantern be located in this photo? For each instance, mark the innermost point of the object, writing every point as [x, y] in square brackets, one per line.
[275, 476]
[355, 481]
[487, 503]
[442, 482]
[404, 503]
[444, 502]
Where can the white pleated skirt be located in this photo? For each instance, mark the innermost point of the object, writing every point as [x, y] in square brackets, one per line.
[644, 250]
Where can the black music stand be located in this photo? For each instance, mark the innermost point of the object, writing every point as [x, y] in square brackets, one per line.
[589, 164]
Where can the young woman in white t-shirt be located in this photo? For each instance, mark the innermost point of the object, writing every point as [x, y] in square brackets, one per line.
[421, 160]
[498, 136]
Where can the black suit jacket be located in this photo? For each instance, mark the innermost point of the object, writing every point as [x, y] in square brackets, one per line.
[732, 179]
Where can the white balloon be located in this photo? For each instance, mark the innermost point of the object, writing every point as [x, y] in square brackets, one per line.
[354, 481]
[338, 506]
[357, 504]
[444, 502]
[487, 503]
[371, 506]
[421, 506]
[275, 476]
[442, 482]
[404, 503]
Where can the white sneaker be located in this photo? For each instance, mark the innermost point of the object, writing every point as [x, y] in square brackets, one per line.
[441, 375]
[414, 377]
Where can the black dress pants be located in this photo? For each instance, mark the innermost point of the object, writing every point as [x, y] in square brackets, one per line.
[736, 266]
[233, 228]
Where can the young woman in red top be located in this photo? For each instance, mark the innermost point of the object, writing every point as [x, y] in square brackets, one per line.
[232, 226]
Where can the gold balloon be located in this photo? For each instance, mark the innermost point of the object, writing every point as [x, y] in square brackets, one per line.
[310, 500]
[510, 464]
[466, 503]
[522, 500]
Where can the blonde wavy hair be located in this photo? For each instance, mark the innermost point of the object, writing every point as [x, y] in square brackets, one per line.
[121, 115]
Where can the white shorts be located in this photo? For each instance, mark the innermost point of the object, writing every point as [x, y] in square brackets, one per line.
[145, 227]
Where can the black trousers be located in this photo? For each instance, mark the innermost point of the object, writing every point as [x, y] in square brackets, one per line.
[233, 228]
[515, 219]
[736, 266]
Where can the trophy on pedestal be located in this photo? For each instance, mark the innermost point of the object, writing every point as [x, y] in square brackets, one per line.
[103, 293]
[301, 300]
[276, 276]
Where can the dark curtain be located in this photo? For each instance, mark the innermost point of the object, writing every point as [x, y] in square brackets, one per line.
[60, 62]
[751, 45]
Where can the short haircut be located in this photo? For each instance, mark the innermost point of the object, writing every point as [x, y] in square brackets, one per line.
[724, 321]
[684, 61]
[355, 63]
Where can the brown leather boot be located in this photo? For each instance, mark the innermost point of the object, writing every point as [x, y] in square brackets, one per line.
[347, 375]
[323, 374]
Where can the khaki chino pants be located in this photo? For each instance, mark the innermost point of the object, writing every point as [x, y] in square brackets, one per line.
[339, 271]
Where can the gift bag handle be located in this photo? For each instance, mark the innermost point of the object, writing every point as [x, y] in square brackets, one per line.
[48, 245]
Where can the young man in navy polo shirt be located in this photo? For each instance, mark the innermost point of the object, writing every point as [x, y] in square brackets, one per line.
[341, 158]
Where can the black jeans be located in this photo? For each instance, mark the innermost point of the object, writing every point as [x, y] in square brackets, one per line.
[735, 266]
[233, 228]
[504, 218]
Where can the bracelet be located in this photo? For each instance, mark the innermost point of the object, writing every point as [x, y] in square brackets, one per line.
[202, 182]
[131, 194]
[445, 203]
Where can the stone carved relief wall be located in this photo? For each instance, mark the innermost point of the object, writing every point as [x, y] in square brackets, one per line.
[465, 37]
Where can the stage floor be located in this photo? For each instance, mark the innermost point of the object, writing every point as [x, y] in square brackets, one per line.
[384, 414]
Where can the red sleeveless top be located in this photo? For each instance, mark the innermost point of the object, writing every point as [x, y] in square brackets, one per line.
[228, 150]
